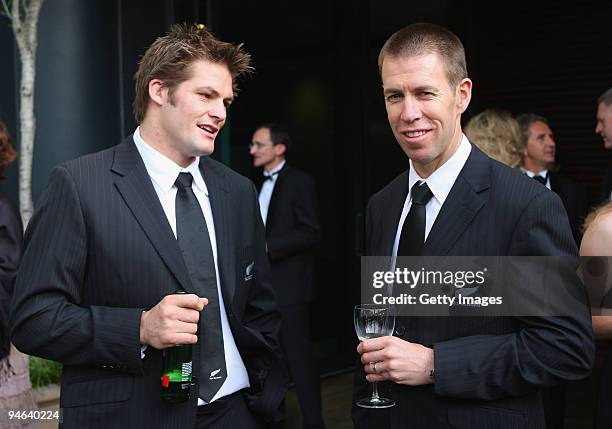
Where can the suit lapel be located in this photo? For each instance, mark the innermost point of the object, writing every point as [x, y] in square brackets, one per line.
[280, 181]
[391, 213]
[219, 197]
[136, 189]
[555, 185]
[461, 205]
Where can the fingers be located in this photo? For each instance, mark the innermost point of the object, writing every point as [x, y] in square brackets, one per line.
[186, 301]
[186, 328]
[374, 368]
[376, 371]
[376, 377]
[183, 338]
[174, 320]
[375, 344]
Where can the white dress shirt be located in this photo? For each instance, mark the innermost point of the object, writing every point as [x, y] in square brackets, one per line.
[163, 173]
[543, 173]
[440, 183]
[266, 190]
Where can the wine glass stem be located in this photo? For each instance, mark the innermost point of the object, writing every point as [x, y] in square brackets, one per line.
[375, 391]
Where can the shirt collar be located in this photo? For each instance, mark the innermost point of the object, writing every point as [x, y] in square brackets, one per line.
[442, 180]
[163, 170]
[275, 170]
[543, 173]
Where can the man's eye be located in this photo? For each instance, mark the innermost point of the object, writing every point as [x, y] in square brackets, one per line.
[393, 97]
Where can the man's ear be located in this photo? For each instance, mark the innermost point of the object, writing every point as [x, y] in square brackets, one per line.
[158, 92]
[280, 149]
[464, 94]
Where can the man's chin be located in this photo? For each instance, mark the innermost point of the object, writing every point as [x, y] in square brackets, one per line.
[204, 149]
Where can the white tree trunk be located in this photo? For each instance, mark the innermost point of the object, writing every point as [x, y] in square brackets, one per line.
[26, 31]
[27, 133]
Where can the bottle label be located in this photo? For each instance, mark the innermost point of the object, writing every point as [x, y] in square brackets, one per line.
[178, 375]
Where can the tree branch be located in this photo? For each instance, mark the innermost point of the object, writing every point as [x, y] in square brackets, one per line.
[16, 19]
[6, 10]
[31, 22]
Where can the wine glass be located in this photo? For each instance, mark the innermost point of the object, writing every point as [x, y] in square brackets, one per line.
[371, 321]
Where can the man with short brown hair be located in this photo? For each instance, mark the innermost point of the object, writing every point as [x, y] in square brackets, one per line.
[453, 200]
[118, 232]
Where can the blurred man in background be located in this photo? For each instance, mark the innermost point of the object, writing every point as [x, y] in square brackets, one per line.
[289, 209]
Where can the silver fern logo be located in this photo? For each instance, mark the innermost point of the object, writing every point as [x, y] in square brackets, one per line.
[213, 374]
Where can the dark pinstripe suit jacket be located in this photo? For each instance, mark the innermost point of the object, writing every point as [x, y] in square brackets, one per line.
[98, 251]
[488, 370]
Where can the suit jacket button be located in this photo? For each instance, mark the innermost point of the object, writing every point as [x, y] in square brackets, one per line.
[399, 331]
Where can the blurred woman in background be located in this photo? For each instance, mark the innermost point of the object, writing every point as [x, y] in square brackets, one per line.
[497, 134]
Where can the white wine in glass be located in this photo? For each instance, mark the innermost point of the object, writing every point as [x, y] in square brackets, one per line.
[372, 321]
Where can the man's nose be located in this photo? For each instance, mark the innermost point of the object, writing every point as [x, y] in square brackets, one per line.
[411, 110]
[219, 111]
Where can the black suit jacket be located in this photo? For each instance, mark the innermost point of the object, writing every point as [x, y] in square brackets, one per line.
[574, 200]
[488, 370]
[292, 233]
[10, 251]
[98, 251]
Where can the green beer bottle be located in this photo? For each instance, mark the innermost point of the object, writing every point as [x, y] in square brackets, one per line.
[176, 371]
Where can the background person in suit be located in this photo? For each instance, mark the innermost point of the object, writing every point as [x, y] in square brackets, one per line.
[118, 232]
[604, 129]
[289, 209]
[11, 232]
[454, 372]
[538, 148]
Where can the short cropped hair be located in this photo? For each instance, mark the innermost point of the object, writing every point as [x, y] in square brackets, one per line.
[605, 98]
[497, 133]
[525, 120]
[169, 58]
[424, 38]
[7, 152]
[278, 134]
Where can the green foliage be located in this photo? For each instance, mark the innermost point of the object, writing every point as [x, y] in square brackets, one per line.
[43, 371]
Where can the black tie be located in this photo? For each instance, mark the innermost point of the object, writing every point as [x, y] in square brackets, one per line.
[413, 230]
[194, 242]
[265, 178]
[541, 179]
[270, 176]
